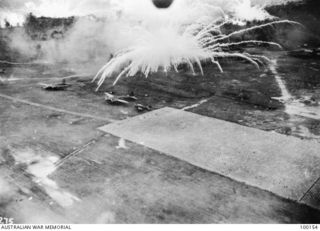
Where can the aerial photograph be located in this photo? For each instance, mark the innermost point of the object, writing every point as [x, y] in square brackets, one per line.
[184, 112]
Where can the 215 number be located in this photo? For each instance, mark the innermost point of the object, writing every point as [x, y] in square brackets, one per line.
[6, 221]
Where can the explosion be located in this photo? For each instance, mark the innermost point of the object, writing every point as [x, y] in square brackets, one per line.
[192, 37]
[141, 38]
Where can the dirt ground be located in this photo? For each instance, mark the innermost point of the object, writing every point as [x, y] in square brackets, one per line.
[56, 167]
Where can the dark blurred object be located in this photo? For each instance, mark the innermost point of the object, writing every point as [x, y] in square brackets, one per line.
[142, 108]
[162, 3]
[129, 98]
[113, 100]
[56, 87]
[306, 53]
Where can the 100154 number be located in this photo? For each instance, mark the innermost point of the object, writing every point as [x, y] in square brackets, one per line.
[309, 227]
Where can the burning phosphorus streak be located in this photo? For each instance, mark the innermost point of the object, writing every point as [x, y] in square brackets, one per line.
[165, 48]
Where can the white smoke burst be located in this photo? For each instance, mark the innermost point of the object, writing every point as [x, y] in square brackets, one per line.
[188, 33]
[166, 48]
[144, 39]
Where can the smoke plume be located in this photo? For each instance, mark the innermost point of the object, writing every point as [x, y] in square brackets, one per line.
[104, 27]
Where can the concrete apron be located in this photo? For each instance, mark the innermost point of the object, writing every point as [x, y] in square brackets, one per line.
[284, 165]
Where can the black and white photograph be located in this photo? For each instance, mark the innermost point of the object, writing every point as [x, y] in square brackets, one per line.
[152, 112]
